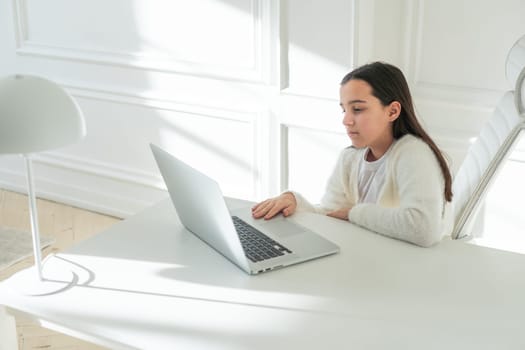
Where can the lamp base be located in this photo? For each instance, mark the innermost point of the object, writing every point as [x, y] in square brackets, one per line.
[58, 275]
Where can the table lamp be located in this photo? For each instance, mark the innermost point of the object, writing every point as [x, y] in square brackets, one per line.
[36, 115]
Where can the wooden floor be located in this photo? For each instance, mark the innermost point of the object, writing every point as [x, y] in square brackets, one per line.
[67, 225]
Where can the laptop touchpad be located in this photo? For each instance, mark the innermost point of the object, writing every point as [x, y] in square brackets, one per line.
[280, 227]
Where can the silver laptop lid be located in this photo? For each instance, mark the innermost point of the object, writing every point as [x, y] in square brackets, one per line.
[196, 196]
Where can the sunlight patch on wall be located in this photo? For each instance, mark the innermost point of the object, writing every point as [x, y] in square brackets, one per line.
[314, 75]
[202, 31]
[223, 149]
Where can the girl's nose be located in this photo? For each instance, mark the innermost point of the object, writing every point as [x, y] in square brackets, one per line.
[348, 119]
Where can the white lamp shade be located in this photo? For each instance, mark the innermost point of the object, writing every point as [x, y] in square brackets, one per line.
[37, 115]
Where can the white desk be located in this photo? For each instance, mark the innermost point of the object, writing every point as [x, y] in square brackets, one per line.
[146, 283]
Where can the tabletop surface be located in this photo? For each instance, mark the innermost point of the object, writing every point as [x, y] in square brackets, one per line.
[148, 283]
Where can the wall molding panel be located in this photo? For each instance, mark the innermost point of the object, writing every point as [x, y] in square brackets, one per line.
[428, 88]
[421, 32]
[164, 110]
[151, 102]
[261, 69]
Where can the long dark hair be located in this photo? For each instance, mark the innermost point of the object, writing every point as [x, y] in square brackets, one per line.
[389, 84]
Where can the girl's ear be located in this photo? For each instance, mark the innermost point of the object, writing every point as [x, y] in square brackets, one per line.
[394, 110]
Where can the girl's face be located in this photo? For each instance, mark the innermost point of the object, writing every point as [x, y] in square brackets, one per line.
[368, 123]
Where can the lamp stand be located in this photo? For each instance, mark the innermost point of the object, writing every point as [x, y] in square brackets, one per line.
[35, 232]
[60, 275]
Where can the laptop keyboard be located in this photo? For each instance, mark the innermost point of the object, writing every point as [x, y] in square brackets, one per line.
[257, 246]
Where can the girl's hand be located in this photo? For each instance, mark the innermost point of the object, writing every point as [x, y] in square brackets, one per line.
[340, 214]
[285, 203]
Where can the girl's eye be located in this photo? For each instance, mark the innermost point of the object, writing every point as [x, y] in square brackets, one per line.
[357, 110]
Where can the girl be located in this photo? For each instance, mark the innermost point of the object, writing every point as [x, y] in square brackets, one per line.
[393, 179]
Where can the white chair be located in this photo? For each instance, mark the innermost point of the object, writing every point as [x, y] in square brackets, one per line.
[36, 115]
[490, 149]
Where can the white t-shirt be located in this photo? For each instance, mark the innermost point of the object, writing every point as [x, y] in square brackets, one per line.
[371, 177]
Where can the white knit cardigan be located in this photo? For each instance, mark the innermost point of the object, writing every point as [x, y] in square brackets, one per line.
[411, 205]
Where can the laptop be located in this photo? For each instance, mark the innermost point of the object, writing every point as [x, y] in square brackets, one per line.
[254, 245]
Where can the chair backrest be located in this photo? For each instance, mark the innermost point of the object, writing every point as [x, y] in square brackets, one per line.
[481, 163]
[491, 147]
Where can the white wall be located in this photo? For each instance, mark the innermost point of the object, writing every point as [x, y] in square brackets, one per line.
[246, 91]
